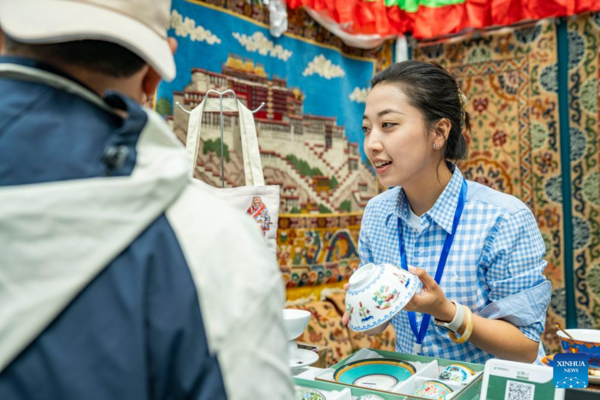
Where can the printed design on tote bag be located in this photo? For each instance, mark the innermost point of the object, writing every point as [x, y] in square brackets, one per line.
[258, 210]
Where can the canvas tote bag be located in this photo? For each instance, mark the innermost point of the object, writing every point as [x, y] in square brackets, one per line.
[255, 199]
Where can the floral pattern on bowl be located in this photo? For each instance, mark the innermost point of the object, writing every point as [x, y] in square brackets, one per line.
[456, 373]
[433, 390]
[377, 293]
[303, 393]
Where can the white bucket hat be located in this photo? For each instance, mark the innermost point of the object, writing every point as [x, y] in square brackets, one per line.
[138, 25]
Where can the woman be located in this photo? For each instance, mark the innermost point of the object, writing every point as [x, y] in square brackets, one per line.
[491, 296]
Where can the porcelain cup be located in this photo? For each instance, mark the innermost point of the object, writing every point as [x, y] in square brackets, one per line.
[456, 373]
[308, 394]
[433, 390]
[377, 293]
[295, 322]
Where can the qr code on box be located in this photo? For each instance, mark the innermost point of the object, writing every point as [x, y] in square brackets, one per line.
[519, 391]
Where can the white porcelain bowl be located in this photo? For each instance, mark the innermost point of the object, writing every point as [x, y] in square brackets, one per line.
[377, 293]
[295, 322]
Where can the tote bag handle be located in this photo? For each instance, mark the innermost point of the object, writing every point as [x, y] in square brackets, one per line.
[250, 151]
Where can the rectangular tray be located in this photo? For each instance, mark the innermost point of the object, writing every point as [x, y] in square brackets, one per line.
[468, 392]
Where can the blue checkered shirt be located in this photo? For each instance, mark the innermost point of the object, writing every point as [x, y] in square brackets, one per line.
[495, 266]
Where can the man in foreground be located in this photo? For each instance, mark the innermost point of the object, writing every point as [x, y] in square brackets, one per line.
[116, 282]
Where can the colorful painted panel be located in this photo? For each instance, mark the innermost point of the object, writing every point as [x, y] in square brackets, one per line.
[584, 73]
[510, 80]
[317, 249]
[313, 88]
[310, 125]
[309, 128]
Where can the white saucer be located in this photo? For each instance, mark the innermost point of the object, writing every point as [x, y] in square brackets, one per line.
[303, 358]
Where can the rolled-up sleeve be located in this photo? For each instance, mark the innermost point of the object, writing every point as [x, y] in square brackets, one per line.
[364, 250]
[514, 267]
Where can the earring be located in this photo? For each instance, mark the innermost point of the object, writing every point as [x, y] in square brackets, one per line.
[436, 146]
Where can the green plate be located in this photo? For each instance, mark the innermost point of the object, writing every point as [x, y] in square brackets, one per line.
[379, 373]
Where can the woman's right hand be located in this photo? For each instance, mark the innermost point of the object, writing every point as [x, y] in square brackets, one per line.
[375, 331]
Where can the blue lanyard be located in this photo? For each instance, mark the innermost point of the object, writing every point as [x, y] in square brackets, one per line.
[420, 333]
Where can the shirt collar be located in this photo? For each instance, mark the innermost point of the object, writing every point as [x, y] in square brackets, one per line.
[444, 208]
[442, 211]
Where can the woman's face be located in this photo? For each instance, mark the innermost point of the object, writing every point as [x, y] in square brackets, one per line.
[396, 139]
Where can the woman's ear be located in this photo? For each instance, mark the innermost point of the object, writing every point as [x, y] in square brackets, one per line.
[442, 132]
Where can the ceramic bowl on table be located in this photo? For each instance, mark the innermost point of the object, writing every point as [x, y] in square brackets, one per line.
[295, 322]
[456, 373]
[433, 390]
[303, 393]
[585, 341]
[377, 293]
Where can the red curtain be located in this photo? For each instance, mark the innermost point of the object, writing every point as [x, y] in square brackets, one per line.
[373, 17]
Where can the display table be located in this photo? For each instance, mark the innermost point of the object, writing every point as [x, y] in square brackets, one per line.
[394, 386]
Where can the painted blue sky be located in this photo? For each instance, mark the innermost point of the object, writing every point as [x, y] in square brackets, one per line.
[326, 97]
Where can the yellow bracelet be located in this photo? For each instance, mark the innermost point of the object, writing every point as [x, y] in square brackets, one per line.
[468, 329]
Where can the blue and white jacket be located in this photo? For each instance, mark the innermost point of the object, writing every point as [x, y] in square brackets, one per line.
[119, 278]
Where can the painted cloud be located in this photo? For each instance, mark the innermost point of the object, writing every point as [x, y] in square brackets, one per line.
[359, 95]
[323, 67]
[187, 27]
[259, 43]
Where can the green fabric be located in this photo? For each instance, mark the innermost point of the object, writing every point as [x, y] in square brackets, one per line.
[412, 6]
[565, 159]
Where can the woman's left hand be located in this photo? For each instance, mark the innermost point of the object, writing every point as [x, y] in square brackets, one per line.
[432, 299]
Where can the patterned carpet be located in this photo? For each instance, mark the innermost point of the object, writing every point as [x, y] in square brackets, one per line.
[584, 72]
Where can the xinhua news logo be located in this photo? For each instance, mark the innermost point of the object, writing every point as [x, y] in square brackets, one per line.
[570, 371]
